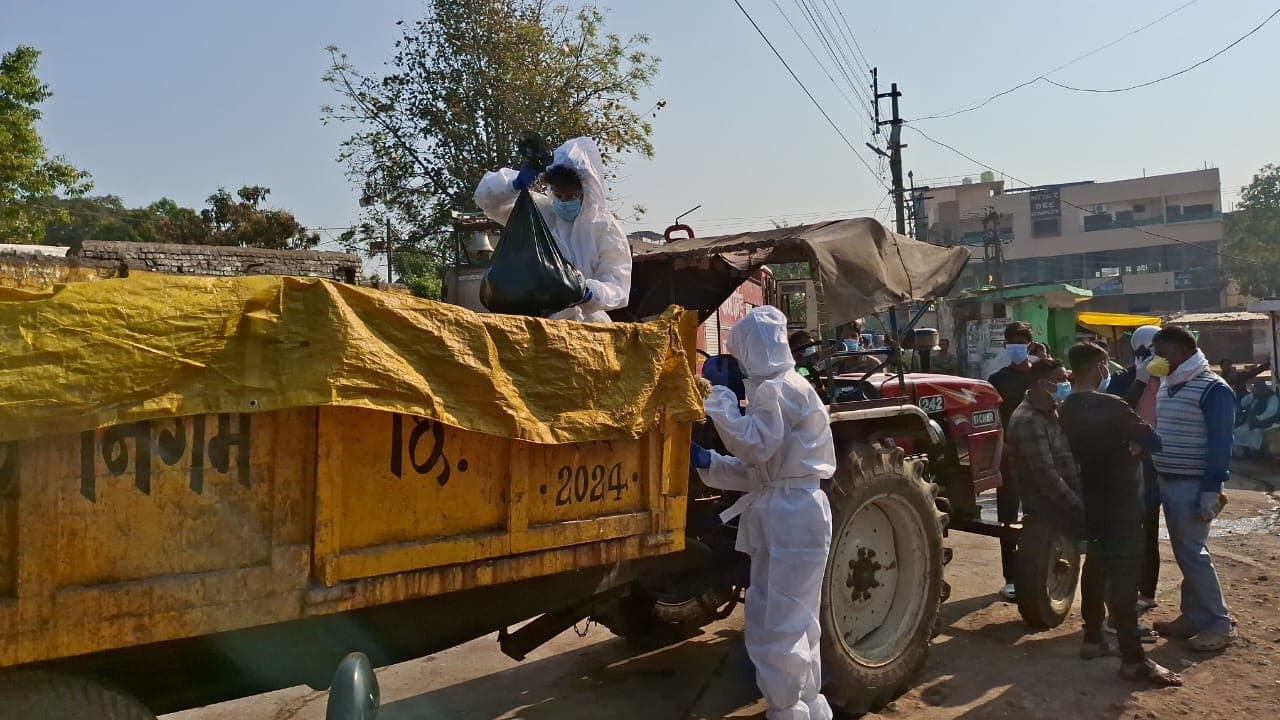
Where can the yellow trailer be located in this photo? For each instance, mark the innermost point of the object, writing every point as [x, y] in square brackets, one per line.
[215, 487]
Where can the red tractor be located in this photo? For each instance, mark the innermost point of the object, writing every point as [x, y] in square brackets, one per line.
[914, 452]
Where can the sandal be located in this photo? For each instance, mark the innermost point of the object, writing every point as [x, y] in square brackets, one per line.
[1152, 672]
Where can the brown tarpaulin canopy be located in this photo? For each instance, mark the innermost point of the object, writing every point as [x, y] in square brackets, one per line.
[860, 265]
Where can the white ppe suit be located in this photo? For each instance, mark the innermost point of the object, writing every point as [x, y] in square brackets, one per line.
[593, 241]
[782, 449]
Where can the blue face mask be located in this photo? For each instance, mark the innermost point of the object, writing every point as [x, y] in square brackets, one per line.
[1061, 392]
[566, 209]
[1018, 352]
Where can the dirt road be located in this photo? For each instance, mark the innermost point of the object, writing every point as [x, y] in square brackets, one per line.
[985, 664]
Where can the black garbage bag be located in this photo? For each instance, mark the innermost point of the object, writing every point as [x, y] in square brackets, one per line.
[527, 275]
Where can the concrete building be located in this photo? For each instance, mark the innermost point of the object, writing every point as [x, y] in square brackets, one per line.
[1146, 245]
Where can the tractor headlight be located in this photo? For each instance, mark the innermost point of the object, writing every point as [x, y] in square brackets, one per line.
[936, 436]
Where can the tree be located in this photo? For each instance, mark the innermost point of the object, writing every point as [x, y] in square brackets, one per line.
[1251, 247]
[28, 176]
[464, 81]
[229, 220]
[242, 222]
[420, 272]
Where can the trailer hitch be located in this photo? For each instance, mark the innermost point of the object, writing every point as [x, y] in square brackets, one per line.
[532, 635]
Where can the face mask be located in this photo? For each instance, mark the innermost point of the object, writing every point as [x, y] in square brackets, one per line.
[1018, 353]
[1105, 381]
[566, 209]
[1159, 367]
[1062, 390]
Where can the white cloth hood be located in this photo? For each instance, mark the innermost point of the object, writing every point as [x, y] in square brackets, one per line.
[582, 156]
[593, 241]
[759, 342]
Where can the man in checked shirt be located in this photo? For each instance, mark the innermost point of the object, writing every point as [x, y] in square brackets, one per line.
[1046, 472]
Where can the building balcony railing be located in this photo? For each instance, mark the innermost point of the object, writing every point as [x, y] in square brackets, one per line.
[1190, 217]
[1121, 224]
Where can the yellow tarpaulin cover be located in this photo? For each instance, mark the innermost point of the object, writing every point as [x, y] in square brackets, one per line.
[88, 355]
[1113, 325]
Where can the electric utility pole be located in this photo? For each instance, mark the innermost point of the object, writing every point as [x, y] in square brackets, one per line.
[992, 249]
[388, 241]
[894, 154]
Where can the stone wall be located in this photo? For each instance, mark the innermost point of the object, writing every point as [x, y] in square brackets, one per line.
[223, 261]
[26, 271]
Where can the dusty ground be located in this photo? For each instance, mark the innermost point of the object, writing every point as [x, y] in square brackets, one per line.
[985, 664]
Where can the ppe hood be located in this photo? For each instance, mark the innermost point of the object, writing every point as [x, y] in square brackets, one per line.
[1143, 336]
[759, 342]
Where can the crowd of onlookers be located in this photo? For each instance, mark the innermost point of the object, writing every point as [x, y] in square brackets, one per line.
[1103, 454]
[1102, 451]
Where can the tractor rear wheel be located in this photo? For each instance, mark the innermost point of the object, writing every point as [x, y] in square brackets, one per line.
[883, 585]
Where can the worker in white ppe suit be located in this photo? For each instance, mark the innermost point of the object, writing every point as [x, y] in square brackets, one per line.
[782, 449]
[577, 213]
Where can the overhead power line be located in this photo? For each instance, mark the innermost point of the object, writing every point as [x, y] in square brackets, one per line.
[1183, 71]
[1013, 177]
[839, 88]
[786, 215]
[838, 38]
[841, 60]
[799, 82]
[981, 103]
[866, 66]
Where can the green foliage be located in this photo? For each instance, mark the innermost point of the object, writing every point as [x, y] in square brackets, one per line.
[229, 220]
[464, 81]
[1251, 244]
[791, 271]
[420, 271]
[242, 222]
[426, 286]
[28, 176]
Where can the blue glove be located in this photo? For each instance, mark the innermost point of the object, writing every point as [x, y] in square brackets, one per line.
[716, 370]
[699, 456]
[528, 175]
[587, 295]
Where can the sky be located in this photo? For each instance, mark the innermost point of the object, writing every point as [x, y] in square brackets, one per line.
[176, 99]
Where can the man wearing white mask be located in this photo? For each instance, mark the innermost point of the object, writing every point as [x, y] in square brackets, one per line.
[1195, 415]
[781, 451]
[1012, 382]
[577, 213]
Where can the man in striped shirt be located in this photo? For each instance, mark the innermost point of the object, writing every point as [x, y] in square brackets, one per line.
[1195, 415]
